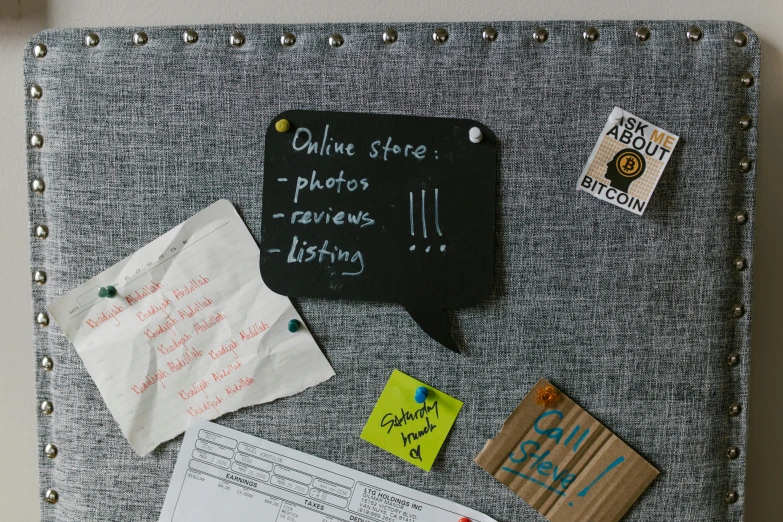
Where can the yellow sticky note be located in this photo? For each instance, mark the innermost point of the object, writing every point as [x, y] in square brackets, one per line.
[413, 431]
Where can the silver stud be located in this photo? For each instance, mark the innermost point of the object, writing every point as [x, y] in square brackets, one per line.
[489, 34]
[41, 231]
[745, 164]
[36, 92]
[40, 50]
[733, 359]
[591, 34]
[38, 185]
[540, 35]
[390, 36]
[746, 122]
[738, 310]
[694, 33]
[50, 450]
[642, 33]
[741, 39]
[140, 38]
[39, 276]
[190, 36]
[731, 497]
[237, 39]
[91, 39]
[47, 407]
[740, 263]
[732, 452]
[51, 496]
[47, 363]
[336, 40]
[36, 141]
[735, 409]
[42, 319]
[741, 217]
[288, 39]
[747, 79]
[440, 35]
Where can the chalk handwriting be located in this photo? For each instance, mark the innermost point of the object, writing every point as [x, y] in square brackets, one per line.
[324, 253]
[327, 143]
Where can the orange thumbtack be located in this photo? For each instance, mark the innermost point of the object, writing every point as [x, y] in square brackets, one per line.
[464, 519]
[547, 396]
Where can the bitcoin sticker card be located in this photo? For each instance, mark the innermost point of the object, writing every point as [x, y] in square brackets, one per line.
[627, 161]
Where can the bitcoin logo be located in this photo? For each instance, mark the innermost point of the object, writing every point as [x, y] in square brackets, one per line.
[629, 163]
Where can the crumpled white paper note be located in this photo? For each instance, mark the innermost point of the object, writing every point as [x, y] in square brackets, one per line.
[192, 332]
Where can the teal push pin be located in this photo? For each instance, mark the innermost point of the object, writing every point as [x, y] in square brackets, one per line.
[421, 394]
[107, 291]
[293, 325]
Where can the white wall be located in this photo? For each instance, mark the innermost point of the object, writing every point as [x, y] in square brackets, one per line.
[18, 474]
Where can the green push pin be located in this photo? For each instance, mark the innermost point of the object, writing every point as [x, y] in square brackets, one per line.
[293, 325]
[107, 291]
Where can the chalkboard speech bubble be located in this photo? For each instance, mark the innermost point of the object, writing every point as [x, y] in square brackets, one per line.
[383, 208]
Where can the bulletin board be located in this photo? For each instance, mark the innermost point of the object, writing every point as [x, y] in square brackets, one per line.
[644, 321]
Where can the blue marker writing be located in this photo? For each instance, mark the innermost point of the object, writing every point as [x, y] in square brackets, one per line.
[609, 468]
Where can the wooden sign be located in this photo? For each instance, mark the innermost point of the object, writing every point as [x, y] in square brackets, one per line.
[384, 208]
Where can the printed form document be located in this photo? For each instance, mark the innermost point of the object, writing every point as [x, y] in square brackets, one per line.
[192, 332]
[223, 474]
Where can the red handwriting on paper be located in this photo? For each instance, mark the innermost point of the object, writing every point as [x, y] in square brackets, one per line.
[195, 411]
[163, 327]
[198, 387]
[228, 370]
[176, 342]
[209, 322]
[195, 307]
[105, 316]
[153, 309]
[184, 360]
[192, 286]
[146, 291]
[253, 331]
[243, 382]
[224, 349]
[150, 381]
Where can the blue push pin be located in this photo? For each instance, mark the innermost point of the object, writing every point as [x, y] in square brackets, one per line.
[421, 394]
[293, 325]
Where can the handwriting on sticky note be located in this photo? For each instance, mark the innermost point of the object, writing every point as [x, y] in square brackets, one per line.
[192, 332]
[380, 207]
[563, 462]
[410, 430]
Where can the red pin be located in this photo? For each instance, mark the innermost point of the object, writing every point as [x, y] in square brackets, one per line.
[465, 519]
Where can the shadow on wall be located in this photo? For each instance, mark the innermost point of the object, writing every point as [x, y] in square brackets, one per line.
[766, 393]
[18, 9]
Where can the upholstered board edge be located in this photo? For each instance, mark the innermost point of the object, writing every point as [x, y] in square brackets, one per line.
[741, 217]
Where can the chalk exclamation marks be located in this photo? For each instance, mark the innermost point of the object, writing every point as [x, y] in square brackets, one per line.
[413, 233]
[423, 216]
[412, 217]
[609, 468]
[437, 221]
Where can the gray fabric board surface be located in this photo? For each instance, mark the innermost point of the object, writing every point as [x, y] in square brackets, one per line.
[630, 316]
